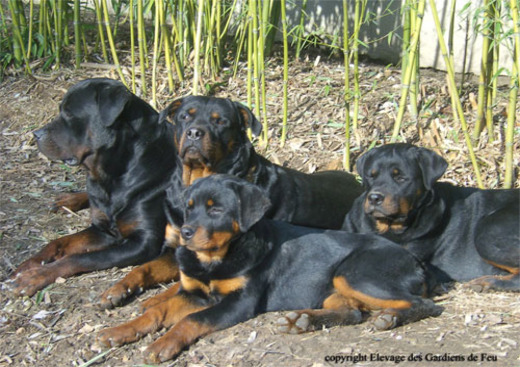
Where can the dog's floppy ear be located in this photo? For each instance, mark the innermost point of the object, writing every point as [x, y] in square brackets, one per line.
[432, 166]
[253, 204]
[112, 100]
[250, 121]
[361, 163]
[167, 114]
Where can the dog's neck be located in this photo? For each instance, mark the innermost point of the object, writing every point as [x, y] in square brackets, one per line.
[244, 253]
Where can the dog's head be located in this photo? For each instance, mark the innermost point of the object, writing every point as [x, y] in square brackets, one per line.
[396, 178]
[210, 133]
[218, 209]
[96, 115]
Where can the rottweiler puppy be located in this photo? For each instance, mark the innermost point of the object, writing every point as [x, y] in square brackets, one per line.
[129, 156]
[462, 233]
[211, 137]
[234, 266]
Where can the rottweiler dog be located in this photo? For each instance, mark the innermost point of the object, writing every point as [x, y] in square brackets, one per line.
[129, 156]
[235, 265]
[211, 137]
[462, 233]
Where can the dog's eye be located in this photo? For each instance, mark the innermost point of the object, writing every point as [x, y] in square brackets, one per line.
[398, 176]
[221, 121]
[184, 116]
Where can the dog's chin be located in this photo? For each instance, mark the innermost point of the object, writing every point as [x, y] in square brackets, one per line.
[385, 223]
[193, 156]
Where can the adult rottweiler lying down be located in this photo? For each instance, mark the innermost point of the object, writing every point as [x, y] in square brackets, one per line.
[461, 233]
[129, 156]
[211, 137]
[235, 266]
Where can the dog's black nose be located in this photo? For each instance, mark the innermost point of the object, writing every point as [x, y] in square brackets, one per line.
[195, 134]
[376, 198]
[38, 134]
[187, 232]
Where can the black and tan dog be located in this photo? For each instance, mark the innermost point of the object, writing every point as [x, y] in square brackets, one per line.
[211, 137]
[235, 266]
[129, 156]
[461, 233]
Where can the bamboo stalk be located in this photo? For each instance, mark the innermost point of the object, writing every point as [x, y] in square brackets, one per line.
[513, 98]
[261, 68]
[111, 42]
[255, 53]
[198, 38]
[458, 105]
[101, 32]
[131, 22]
[285, 73]
[143, 62]
[414, 81]
[300, 34]
[484, 72]
[355, 51]
[346, 62]
[166, 43]
[30, 36]
[156, 51]
[77, 33]
[409, 70]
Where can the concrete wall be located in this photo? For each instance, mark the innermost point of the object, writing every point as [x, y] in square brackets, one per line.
[326, 15]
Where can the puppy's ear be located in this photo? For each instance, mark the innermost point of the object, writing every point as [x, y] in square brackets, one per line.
[253, 204]
[362, 164]
[112, 100]
[249, 120]
[167, 114]
[432, 166]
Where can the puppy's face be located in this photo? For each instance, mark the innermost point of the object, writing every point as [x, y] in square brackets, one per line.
[95, 115]
[396, 177]
[209, 132]
[218, 209]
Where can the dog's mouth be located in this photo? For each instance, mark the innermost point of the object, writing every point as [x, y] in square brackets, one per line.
[396, 223]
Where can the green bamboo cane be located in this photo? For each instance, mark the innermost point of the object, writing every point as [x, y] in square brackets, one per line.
[261, 67]
[407, 10]
[451, 80]
[42, 19]
[414, 81]
[285, 73]
[77, 33]
[172, 40]
[156, 51]
[58, 31]
[143, 62]
[101, 31]
[250, 59]
[18, 44]
[493, 68]
[30, 36]
[300, 34]
[355, 51]
[3, 25]
[111, 42]
[198, 38]
[346, 61]
[513, 98]
[484, 72]
[131, 22]
[166, 43]
[255, 55]
[409, 70]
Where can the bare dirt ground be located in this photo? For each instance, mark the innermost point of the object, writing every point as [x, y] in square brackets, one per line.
[58, 327]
